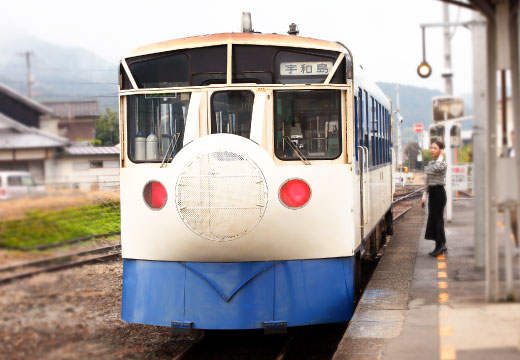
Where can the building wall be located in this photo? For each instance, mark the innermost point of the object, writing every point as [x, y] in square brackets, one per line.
[79, 129]
[81, 172]
[50, 125]
[18, 111]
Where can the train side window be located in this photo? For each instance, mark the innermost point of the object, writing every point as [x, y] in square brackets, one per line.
[389, 137]
[356, 120]
[361, 117]
[373, 132]
[379, 149]
[379, 134]
[376, 133]
[383, 122]
[386, 136]
[366, 142]
[307, 122]
[231, 112]
[156, 125]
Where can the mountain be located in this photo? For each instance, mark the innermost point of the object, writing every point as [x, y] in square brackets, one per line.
[64, 73]
[58, 72]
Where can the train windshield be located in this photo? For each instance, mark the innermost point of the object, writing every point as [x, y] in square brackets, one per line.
[231, 112]
[307, 123]
[156, 125]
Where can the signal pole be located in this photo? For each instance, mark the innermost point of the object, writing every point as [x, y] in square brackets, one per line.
[27, 55]
[399, 120]
[448, 73]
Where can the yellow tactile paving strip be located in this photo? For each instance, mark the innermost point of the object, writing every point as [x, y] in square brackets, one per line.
[447, 348]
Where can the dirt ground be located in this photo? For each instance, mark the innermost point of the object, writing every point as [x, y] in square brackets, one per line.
[15, 209]
[75, 314]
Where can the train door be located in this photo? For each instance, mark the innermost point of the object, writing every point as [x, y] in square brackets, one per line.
[362, 153]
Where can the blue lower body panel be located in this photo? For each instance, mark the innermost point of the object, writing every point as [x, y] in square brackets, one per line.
[238, 295]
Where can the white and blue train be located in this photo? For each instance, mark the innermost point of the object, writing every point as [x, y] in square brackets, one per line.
[256, 173]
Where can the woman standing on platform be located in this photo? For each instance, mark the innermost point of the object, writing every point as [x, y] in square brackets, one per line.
[435, 174]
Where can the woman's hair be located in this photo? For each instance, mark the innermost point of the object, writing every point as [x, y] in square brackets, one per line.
[439, 143]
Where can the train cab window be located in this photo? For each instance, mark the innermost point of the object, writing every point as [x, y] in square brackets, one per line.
[180, 67]
[161, 71]
[156, 125]
[231, 112]
[307, 124]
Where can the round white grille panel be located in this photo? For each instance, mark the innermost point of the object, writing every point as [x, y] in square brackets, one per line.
[221, 195]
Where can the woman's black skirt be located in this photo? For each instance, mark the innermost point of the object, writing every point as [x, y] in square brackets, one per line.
[436, 204]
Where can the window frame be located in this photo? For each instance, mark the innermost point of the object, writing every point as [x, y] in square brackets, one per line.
[210, 129]
[340, 123]
[129, 154]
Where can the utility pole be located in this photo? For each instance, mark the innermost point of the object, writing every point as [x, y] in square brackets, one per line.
[399, 119]
[448, 72]
[448, 88]
[27, 55]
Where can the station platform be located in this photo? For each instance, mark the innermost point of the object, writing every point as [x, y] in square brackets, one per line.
[419, 307]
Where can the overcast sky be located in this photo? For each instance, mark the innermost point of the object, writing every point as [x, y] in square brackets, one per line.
[384, 36]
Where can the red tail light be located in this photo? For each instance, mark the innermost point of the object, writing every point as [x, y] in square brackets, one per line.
[2, 192]
[155, 195]
[295, 193]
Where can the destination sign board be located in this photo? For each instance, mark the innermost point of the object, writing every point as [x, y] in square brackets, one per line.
[312, 68]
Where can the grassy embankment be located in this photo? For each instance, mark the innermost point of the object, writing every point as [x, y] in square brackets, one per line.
[47, 227]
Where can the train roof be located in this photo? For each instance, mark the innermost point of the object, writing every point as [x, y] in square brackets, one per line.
[238, 38]
[363, 81]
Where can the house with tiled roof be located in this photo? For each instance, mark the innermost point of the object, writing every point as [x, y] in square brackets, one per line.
[75, 120]
[23, 145]
[30, 141]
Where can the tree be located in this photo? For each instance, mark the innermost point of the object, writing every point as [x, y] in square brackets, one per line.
[411, 151]
[466, 154]
[107, 129]
[427, 157]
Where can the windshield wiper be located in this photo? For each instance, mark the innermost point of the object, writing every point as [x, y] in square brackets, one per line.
[168, 155]
[296, 150]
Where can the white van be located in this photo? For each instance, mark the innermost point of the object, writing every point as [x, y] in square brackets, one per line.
[16, 184]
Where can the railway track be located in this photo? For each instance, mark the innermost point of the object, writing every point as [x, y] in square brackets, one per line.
[72, 241]
[212, 345]
[56, 263]
[409, 195]
[320, 341]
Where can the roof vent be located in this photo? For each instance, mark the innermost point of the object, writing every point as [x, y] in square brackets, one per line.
[247, 25]
[293, 29]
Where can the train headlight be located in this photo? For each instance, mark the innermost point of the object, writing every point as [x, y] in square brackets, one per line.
[295, 193]
[155, 195]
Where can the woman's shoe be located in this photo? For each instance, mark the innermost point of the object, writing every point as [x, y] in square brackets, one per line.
[441, 250]
[437, 246]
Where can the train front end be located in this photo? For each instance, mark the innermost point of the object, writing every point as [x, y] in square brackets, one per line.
[237, 200]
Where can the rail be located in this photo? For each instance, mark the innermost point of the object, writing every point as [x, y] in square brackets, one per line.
[61, 262]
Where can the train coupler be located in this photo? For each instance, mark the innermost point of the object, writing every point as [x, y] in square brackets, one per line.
[182, 327]
[275, 327]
